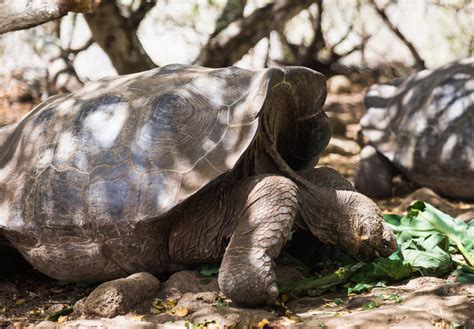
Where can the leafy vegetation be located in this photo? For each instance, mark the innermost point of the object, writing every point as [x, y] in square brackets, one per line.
[209, 269]
[430, 242]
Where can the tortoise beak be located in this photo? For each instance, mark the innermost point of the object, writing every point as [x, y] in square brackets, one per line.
[388, 243]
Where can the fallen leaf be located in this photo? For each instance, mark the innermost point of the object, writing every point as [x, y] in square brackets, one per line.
[163, 305]
[181, 311]
[137, 317]
[20, 302]
[62, 319]
[262, 324]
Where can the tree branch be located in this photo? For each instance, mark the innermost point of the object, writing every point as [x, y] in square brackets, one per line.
[420, 63]
[118, 38]
[240, 36]
[344, 37]
[139, 14]
[317, 43]
[82, 48]
[233, 10]
[23, 14]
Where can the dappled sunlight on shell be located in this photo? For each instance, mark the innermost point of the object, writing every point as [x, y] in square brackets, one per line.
[106, 123]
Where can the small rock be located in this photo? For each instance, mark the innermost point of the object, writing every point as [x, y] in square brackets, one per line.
[426, 282]
[180, 311]
[196, 301]
[187, 281]
[466, 215]
[343, 146]
[79, 308]
[339, 84]
[47, 324]
[428, 195]
[358, 302]
[56, 308]
[19, 325]
[121, 296]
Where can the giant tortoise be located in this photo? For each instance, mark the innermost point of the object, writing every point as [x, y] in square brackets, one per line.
[422, 126]
[177, 166]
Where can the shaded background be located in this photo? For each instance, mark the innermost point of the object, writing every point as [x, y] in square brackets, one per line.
[331, 36]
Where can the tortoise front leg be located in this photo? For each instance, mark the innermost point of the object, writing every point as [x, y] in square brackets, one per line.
[246, 274]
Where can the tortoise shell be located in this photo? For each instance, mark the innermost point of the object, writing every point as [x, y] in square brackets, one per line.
[425, 126]
[83, 175]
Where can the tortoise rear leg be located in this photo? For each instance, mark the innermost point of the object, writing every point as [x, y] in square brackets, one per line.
[246, 274]
[374, 175]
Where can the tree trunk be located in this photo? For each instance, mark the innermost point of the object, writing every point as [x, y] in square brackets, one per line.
[117, 36]
[307, 55]
[23, 14]
[233, 42]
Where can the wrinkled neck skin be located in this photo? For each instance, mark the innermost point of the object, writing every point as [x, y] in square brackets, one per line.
[339, 216]
[346, 219]
[335, 213]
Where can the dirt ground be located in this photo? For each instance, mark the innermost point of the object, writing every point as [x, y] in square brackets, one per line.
[28, 298]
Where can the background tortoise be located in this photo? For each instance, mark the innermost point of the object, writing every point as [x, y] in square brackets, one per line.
[177, 166]
[422, 126]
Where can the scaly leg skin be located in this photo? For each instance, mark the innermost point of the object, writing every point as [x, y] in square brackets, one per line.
[339, 216]
[246, 274]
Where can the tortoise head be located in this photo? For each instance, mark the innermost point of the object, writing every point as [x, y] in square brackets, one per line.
[308, 132]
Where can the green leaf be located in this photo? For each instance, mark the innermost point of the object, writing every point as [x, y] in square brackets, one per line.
[66, 310]
[393, 219]
[371, 305]
[465, 274]
[394, 297]
[319, 285]
[209, 270]
[391, 268]
[434, 262]
[429, 242]
[424, 220]
[456, 230]
[360, 287]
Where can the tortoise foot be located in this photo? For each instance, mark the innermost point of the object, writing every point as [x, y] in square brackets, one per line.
[246, 274]
[248, 277]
